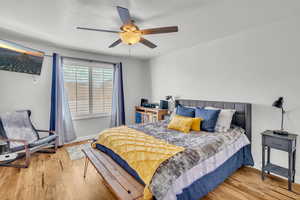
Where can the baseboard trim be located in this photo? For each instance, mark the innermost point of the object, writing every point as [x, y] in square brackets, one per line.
[83, 138]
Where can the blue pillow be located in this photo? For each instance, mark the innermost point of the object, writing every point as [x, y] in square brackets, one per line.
[209, 117]
[185, 111]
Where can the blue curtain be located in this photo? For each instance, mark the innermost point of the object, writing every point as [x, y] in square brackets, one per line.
[60, 116]
[118, 111]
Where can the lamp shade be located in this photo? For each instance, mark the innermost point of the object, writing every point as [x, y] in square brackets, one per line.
[169, 97]
[278, 103]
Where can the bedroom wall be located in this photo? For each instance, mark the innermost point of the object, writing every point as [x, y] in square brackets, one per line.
[24, 91]
[256, 66]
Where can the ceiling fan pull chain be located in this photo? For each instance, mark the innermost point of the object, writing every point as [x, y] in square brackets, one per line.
[129, 51]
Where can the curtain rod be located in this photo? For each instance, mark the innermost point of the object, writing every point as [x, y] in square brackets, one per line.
[85, 59]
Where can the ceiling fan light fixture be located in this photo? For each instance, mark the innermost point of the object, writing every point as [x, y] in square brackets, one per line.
[129, 37]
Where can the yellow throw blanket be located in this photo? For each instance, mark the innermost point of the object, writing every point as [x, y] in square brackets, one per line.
[142, 152]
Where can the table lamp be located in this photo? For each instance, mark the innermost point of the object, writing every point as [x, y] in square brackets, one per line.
[279, 104]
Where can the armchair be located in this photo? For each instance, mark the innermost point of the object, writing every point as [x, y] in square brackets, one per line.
[22, 139]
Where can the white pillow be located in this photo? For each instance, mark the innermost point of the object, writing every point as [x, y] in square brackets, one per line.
[224, 119]
[173, 113]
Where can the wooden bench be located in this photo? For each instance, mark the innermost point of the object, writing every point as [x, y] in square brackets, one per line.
[122, 184]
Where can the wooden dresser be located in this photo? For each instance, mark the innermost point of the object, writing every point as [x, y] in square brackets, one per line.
[144, 115]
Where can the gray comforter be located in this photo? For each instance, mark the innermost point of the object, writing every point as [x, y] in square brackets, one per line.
[198, 147]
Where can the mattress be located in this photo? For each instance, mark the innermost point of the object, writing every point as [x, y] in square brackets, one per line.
[208, 160]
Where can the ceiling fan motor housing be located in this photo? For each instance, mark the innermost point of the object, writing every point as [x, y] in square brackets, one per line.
[129, 27]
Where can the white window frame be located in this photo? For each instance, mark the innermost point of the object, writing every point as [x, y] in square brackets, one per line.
[90, 64]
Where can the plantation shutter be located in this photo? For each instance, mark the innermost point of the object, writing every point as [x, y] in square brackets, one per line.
[89, 87]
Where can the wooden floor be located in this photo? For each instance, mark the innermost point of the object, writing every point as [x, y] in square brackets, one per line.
[55, 176]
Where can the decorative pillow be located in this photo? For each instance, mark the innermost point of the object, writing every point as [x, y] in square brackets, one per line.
[173, 113]
[196, 124]
[224, 119]
[183, 124]
[209, 117]
[185, 111]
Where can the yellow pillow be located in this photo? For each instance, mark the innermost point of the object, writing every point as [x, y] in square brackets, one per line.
[180, 123]
[196, 124]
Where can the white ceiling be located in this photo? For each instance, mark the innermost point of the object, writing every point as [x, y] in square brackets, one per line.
[198, 20]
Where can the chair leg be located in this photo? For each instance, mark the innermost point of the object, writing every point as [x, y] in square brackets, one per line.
[52, 150]
[56, 144]
[27, 159]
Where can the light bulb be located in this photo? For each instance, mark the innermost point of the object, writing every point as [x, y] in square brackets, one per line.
[130, 37]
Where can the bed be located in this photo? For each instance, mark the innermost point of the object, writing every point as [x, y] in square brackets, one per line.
[195, 164]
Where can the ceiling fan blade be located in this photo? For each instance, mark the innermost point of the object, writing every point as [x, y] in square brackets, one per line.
[100, 30]
[115, 43]
[147, 43]
[124, 15]
[159, 30]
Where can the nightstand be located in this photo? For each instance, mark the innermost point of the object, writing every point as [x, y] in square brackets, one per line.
[284, 143]
[146, 115]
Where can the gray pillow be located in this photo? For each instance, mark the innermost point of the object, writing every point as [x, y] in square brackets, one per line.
[224, 119]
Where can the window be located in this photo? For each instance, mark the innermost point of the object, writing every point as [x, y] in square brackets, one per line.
[89, 88]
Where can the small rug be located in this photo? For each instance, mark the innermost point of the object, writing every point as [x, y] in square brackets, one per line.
[75, 152]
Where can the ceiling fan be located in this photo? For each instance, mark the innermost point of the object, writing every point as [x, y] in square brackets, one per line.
[130, 33]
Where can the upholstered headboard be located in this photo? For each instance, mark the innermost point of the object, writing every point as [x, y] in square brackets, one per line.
[241, 118]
